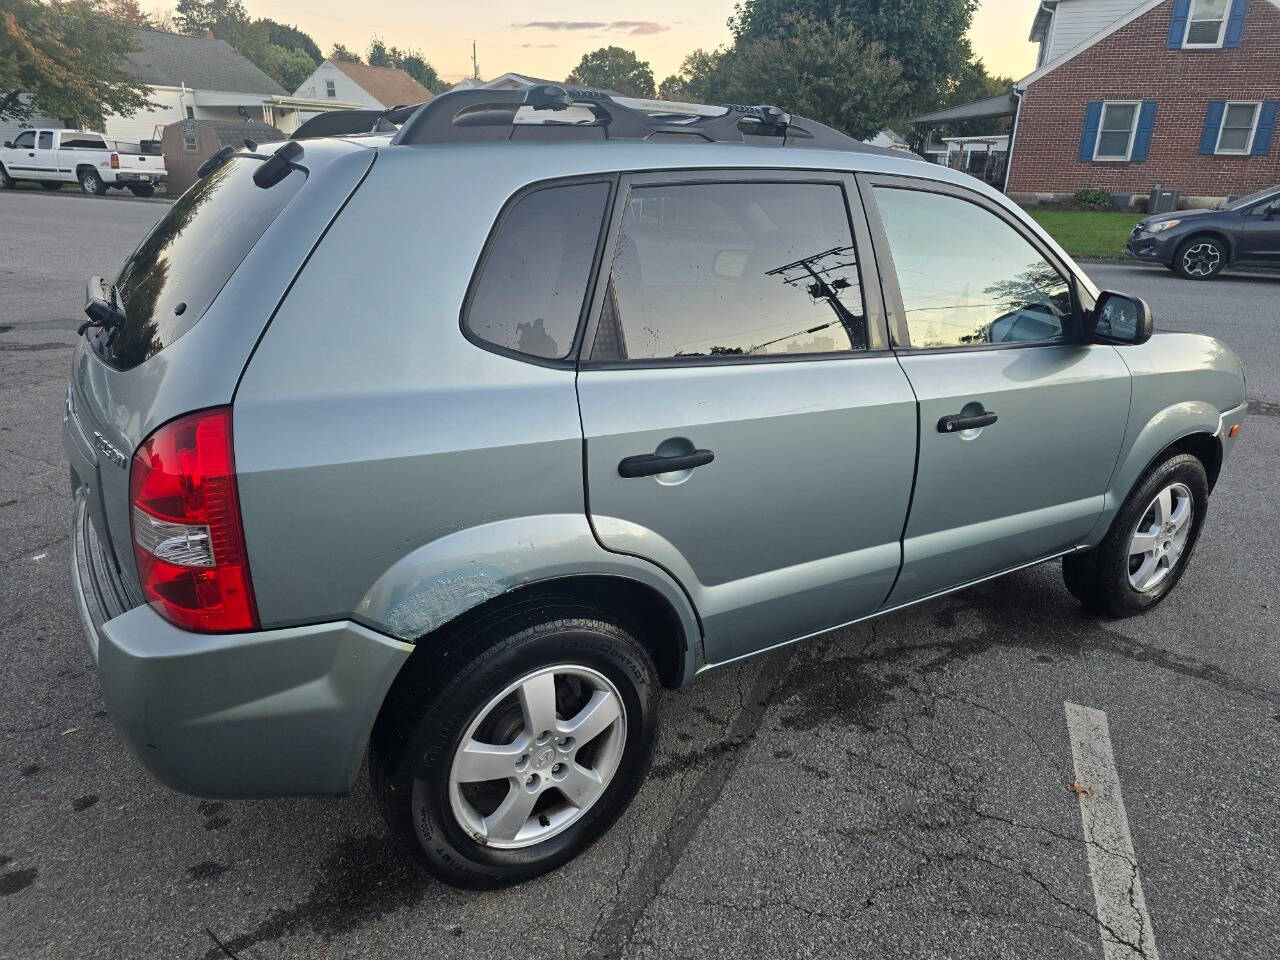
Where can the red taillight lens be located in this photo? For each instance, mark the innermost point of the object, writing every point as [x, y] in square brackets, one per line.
[187, 535]
[115, 161]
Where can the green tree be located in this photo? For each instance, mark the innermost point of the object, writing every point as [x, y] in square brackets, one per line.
[289, 68]
[340, 54]
[227, 20]
[127, 12]
[614, 68]
[378, 55]
[415, 65]
[823, 69]
[291, 38]
[699, 78]
[66, 56]
[929, 38]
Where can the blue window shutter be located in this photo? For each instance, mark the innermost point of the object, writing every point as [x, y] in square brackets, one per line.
[1235, 23]
[1146, 123]
[1089, 136]
[1178, 25]
[1212, 124]
[1266, 127]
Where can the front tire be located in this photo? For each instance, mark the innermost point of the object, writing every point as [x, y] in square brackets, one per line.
[143, 191]
[91, 183]
[1147, 549]
[6, 181]
[1201, 258]
[509, 751]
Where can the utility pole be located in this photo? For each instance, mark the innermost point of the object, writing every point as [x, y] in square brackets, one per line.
[475, 64]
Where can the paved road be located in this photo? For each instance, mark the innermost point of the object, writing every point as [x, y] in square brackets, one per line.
[897, 789]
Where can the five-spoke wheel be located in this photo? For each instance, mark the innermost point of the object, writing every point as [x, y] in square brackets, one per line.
[1160, 538]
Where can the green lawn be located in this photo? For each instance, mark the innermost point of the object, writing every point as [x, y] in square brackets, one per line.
[1086, 233]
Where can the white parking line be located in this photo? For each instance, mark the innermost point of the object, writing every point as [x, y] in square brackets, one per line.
[1117, 889]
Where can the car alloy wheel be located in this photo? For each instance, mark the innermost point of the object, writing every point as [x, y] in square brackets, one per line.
[1202, 259]
[1160, 539]
[521, 774]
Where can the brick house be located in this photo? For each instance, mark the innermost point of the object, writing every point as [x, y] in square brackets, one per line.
[1183, 93]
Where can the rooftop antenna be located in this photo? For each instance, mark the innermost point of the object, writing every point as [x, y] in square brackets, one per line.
[475, 64]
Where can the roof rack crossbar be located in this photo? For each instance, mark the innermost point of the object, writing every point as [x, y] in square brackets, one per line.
[484, 114]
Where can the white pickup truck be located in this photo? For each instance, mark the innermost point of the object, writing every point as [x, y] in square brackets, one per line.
[54, 157]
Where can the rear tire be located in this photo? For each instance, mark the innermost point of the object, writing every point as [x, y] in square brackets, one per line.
[1201, 258]
[91, 183]
[1114, 578]
[480, 689]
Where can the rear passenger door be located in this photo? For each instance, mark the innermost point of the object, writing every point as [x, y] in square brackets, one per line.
[746, 425]
[1021, 419]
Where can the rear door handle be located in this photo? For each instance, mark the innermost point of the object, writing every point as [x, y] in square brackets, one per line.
[954, 422]
[649, 464]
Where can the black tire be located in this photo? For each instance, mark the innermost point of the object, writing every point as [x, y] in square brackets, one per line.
[143, 190]
[6, 181]
[435, 701]
[51, 185]
[91, 183]
[1201, 258]
[1099, 578]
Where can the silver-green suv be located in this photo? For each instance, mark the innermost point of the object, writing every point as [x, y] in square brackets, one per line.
[458, 442]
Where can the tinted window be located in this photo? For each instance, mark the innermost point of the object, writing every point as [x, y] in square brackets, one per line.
[528, 296]
[728, 269]
[83, 141]
[27, 139]
[173, 276]
[46, 139]
[967, 276]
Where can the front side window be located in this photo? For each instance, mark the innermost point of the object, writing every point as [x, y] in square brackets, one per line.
[529, 293]
[732, 270]
[1236, 133]
[967, 277]
[1115, 132]
[46, 140]
[26, 141]
[1206, 23]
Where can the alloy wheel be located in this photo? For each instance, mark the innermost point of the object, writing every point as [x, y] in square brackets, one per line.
[537, 756]
[1202, 259]
[1160, 538]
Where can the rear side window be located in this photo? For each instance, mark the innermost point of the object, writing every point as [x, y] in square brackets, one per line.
[176, 272]
[82, 141]
[528, 294]
[732, 270]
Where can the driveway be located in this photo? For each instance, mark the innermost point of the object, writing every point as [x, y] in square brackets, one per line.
[901, 788]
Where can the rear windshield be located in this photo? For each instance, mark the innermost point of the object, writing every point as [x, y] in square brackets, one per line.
[178, 270]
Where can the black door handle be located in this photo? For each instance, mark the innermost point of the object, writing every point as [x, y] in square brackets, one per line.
[954, 422]
[648, 464]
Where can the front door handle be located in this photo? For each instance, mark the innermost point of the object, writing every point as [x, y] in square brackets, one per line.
[954, 422]
[649, 464]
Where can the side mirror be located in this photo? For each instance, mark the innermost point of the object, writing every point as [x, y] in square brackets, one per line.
[8, 144]
[1121, 319]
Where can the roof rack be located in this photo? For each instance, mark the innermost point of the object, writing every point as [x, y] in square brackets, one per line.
[552, 112]
[342, 123]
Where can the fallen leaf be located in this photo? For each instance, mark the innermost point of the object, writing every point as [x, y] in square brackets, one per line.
[1078, 787]
[69, 730]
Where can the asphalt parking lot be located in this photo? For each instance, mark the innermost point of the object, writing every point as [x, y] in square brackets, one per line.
[896, 789]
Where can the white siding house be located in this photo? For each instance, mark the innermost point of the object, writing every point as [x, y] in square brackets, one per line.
[360, 85]
[1062, 25]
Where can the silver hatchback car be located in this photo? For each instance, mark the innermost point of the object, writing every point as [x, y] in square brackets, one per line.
[455, 444]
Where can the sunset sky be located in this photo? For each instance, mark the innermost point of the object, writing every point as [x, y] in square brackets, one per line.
[546, 39]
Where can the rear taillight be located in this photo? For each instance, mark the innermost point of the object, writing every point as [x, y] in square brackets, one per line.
[115, 161]
[187, 535]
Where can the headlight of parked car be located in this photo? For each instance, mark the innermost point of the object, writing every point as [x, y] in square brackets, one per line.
[1161, 226]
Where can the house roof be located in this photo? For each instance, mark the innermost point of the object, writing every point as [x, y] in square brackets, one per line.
[1097, 38]
[171, 59]
[1001, 106]
[390, 86]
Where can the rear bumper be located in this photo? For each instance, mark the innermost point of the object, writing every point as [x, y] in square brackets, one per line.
[248, 714]
[137, 178]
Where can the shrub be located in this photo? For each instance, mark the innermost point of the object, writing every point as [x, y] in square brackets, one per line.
[1093, 198]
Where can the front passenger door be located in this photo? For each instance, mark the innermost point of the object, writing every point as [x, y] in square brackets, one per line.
[1021, 420]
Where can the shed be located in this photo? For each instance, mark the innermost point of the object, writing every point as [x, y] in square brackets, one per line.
[189, 143]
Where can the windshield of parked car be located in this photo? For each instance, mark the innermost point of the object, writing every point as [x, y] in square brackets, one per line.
[1253, 198]
[177, 271]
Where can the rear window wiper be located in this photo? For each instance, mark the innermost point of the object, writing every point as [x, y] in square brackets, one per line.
[102, 306]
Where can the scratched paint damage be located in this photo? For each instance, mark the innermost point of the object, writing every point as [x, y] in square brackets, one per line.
[421, 606]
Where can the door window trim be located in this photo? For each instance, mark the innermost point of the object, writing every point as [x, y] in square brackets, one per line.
[899, 333]
[570, 360]
[877, 328]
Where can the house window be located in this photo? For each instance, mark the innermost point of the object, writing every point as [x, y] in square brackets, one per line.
[329, 89]
[189, 144]
[1238, 125]
[1206, 23]
[191, 113]
[1115, 132]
